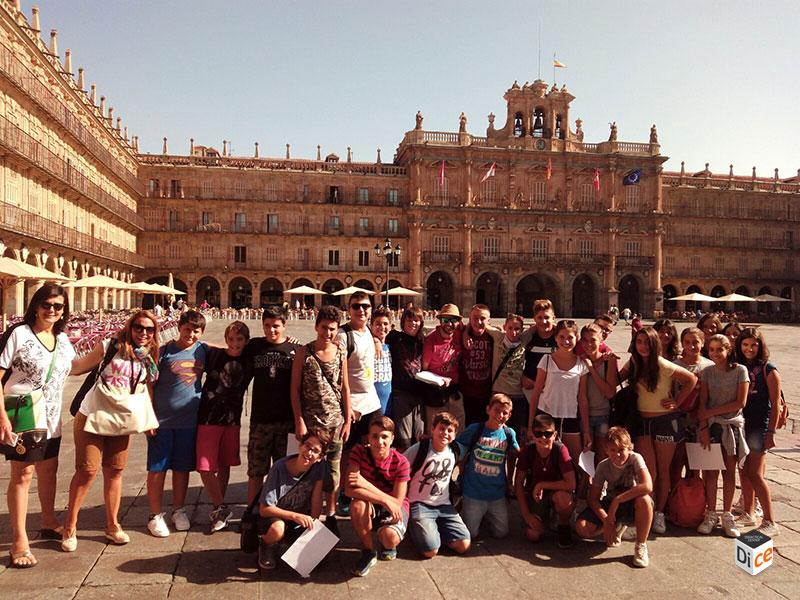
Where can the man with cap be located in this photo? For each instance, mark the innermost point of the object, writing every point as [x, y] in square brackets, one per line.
[441, 354]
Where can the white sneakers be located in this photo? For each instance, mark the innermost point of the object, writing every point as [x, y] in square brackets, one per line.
[640, 558]
[729, 525]
[157, 526]
[745, 520]
[709, 522]
[768, 528]
[180, 520]
[659, 522]
[629, 534]
[219, 516]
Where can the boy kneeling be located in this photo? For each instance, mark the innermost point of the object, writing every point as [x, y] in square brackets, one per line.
[545, 482]
[377, 479]
[292, 496]
[627, 494]
[434, 519]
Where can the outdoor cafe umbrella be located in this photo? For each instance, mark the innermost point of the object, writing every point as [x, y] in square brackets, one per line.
[352, 290]
[695, 297]
[99, 281]
[735, 298]
[771, 298]
[305, 291]
[13, 271]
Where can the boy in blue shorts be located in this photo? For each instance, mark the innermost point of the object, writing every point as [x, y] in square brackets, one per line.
[176, 400]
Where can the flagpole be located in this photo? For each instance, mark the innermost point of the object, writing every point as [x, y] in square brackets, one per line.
[554, 68]
[540, 48]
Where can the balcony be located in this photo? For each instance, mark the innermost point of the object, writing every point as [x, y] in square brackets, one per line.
[776, 243]
[433, 256]
[530, 258]
[190, 225]
[345, 264]
[726, 182]
[635, 261]
[16, 220]
[728, 273]
[41, 157]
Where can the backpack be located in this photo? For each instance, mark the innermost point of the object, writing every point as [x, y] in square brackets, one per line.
[351, 339]
[419, 459]
[687, 502]
[462, 466]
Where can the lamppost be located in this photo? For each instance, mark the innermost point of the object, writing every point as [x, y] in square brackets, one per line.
[387, 252]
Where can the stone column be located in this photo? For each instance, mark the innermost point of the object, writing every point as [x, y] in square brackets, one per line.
[414, 256]
[465, 293]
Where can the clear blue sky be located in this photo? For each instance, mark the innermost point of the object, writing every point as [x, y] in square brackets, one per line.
[719, 78]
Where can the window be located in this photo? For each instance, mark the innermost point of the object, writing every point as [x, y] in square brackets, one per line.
[539, 247]
[302, 193]
[393, 226]
[272, 223]
[742, 265]
[393, 260]
[363, 258]
[587, 195]
[174, 251]
[694, 263]
[152, 250]
[333, 223]
[766, 264]
[441, 246]
[633, 249]
[669, 262]
[174, 219]
[363, 195]
[12, 193]
[207, 218]
[239, 222]
[441, 191]
[175, 188]
[240, 190]
[272, 191]
[491, 245]
[271, 254]
[489, 191]
[240, 254]
[333, 258]
[393, 197]
[363, 224]
[586, 249]
[207, 190]
[51, 211]
[788, 240]
[719, 265]
[333, 195]
[153, 188]
[538, 194]
[632, 198]
[33, 199]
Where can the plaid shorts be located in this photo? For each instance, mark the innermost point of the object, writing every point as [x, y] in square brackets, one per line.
[266, 445]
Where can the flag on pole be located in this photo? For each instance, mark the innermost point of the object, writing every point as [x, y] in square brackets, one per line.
[549, 169]
[632, 178]
[596, 180]
[489, 173]
[560, 65]
[441, 174]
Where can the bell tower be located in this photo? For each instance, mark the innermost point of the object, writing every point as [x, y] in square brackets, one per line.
[534, 112]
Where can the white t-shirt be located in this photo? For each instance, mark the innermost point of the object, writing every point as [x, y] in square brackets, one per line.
[560, 394]
[431, 484]
[28, 361]
[116, 375]
[361, 371]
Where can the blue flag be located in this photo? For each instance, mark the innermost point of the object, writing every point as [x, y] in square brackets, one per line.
[632, 178]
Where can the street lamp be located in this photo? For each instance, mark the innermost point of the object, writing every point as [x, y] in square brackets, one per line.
[387, 252]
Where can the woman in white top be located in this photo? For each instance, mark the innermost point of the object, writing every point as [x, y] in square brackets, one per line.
[560, 391]
[36, 355]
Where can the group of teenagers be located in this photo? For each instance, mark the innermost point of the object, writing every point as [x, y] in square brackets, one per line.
[511, 413]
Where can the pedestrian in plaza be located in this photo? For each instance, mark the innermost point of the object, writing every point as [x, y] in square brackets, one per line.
[35, 359]
[130, 371]
[441, 355]
[406, 350]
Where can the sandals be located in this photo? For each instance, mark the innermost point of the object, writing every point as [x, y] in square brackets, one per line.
[15, 556]
[52, 534]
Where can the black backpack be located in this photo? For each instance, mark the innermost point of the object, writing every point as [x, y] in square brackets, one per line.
[351, 339]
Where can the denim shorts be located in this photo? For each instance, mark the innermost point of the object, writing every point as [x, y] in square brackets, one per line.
[598, 425]
[564, 424]
[172, 449]
[664, 428]
[756, 435]
[432, 526]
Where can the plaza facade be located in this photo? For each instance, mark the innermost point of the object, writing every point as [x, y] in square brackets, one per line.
[553, 219]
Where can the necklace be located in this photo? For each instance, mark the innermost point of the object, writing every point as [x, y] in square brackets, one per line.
[543, 461]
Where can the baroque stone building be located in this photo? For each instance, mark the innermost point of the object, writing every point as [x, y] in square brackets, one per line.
[553, 218]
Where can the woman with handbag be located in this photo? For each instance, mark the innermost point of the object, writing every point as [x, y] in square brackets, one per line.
[120, 403]
[35, 359]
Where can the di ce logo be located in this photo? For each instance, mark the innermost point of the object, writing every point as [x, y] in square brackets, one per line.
[753, 552]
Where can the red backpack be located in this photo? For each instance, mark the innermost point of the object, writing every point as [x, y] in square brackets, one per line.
[687, 502]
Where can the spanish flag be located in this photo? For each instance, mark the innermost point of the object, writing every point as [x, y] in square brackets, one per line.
[559, 64]
[549, 169]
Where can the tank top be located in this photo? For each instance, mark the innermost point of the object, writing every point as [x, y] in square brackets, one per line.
[599, 405]
[560, 395]
[321, 389]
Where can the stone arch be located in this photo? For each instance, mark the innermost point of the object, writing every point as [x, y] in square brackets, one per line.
[240, 293]
[716, 292]
[439, 290]
[271, 292]
[743, 307]
[208, 290]
[489, 291]
[583, 297]
[630, 293]
[532, 287]
[690, 304]
[365, 284]
[329, 287]
[300, 301]
[394, 301]
[670, 292]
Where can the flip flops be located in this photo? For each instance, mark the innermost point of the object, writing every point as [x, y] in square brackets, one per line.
[52, 534]
[15, 556]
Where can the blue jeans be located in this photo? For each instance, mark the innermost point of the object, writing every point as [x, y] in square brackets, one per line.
[432, 526]
[472, 511]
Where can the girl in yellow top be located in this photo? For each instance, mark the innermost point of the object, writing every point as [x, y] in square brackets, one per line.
[652, 375]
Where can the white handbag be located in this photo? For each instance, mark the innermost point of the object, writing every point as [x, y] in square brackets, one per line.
[120, 412]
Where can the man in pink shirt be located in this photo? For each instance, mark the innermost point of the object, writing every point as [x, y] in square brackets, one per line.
[441, 354]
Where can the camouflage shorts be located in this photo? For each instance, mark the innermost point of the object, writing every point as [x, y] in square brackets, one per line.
[266, 445]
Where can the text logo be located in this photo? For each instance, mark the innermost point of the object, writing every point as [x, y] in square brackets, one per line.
[753, 552]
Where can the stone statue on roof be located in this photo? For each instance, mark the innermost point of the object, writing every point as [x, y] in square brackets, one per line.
[653, 134]
[419, 121]
[462, 123]
[613, 135]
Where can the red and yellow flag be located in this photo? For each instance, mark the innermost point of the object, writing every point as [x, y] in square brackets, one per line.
[549, 169]
[560, 65]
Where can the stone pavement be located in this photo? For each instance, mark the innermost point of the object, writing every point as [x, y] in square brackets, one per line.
[195, 564]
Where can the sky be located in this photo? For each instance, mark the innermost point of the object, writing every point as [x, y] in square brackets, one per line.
[718, 78]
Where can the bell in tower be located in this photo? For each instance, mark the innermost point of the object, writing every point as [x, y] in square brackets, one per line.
[538, 123]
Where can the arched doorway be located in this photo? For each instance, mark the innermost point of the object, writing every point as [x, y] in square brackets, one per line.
[394, 301]
[691, 305]
[743, 307]
[364, 284]
[271, 292]
[208, 291]
[534, 287]
[766, 307]
[489, 291]
[716, 292]
[330, 286]
[630, 294]
[298, 301]
[240, 293]
[440, 290]
[583, 297]
[669, 292]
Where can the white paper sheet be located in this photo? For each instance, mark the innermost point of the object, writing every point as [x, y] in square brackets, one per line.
[702, 459]
[292, 445]
[586, 462]
[432, 378]
[310, 548]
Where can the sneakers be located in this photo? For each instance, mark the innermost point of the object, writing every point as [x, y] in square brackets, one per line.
[640, 558]
[709, 522]
[332, 525]
[266, 555]
[387, 553]
[365, 562]
[738, 508]
[116, 535]
[768, 528]
[564, 536]
[621, 529]
[659, 522]
[180, 520]
[343, 505]
[157, 526]
[629, 535]
[758, 512]
[69, 541]
[729, 525]
[219, 516]
[745, 520]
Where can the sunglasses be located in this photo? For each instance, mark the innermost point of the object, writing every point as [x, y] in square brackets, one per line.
[56, 306]
[449, 319]
[142, 329]
[543, 434]
[363, 307]
[313, 450]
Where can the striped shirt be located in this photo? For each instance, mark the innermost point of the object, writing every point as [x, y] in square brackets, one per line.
[382, 475]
